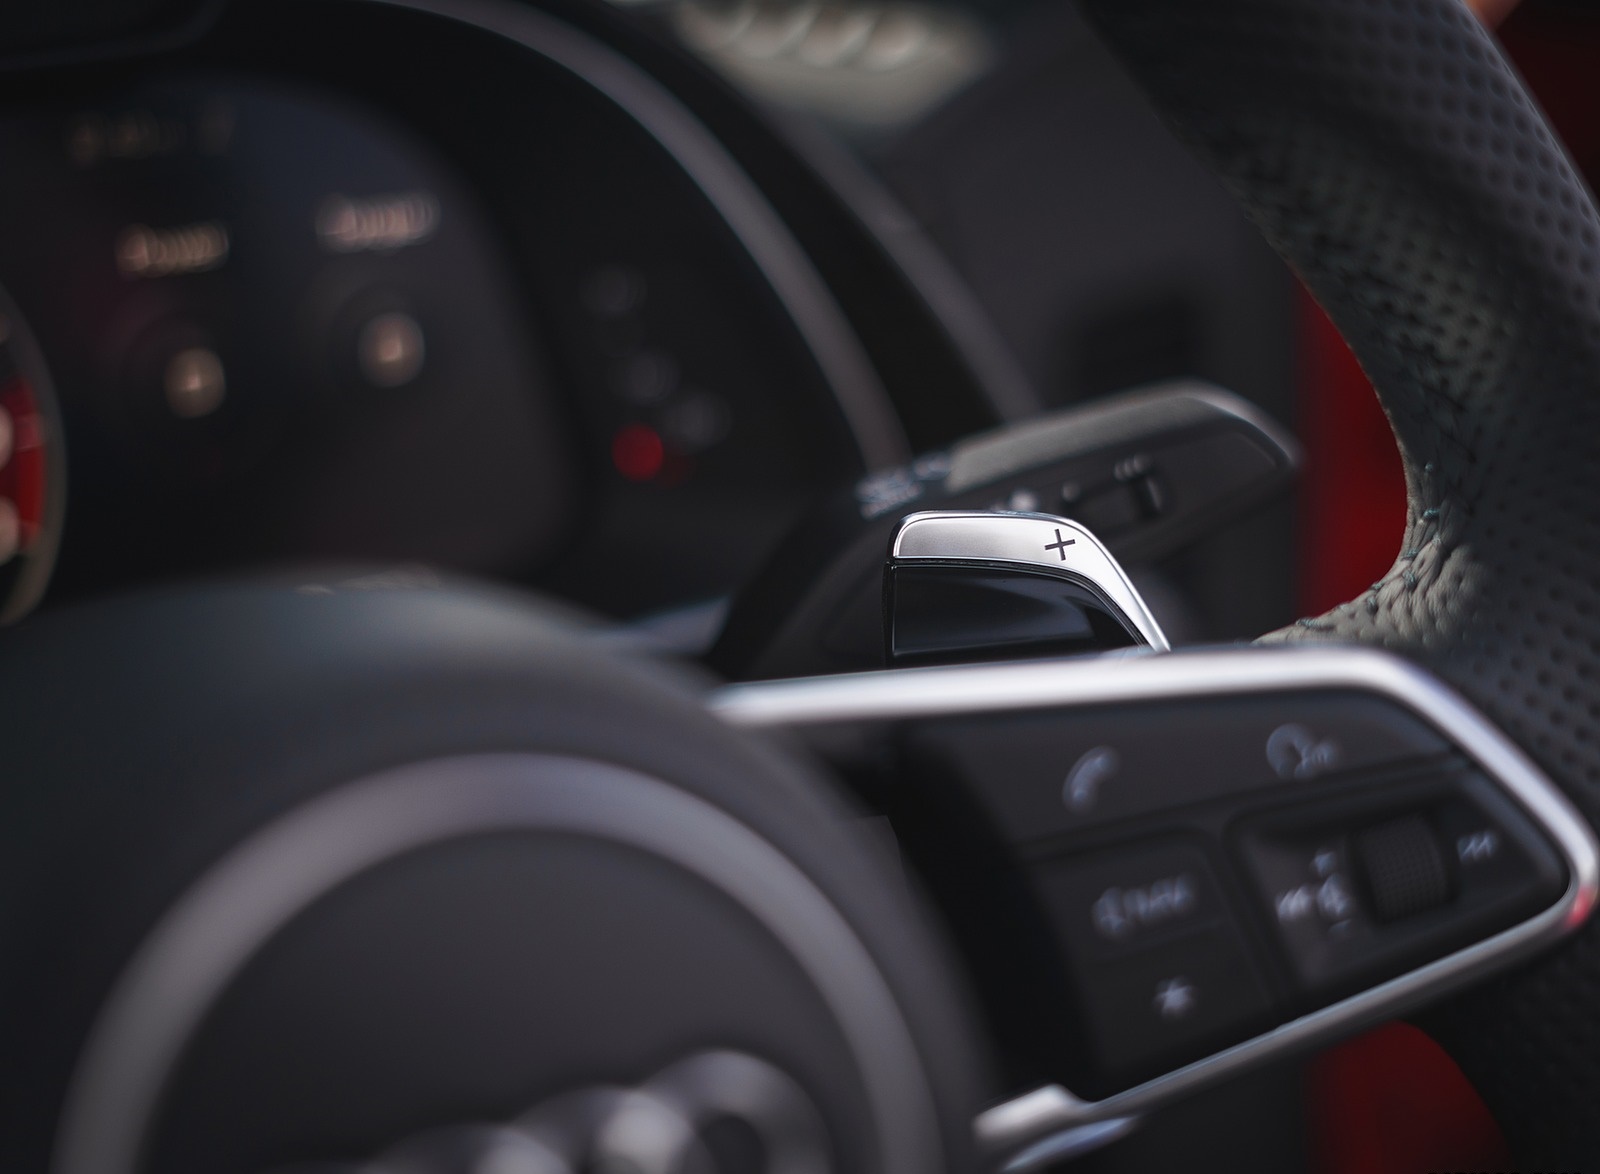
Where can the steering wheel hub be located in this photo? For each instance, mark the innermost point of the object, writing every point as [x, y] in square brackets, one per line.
[564, 870]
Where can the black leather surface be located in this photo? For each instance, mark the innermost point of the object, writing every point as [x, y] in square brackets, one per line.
[1390, 153]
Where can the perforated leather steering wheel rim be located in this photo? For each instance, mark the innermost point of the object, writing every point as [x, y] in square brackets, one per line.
[1393, 157]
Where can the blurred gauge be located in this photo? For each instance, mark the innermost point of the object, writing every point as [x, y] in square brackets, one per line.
[32, 480]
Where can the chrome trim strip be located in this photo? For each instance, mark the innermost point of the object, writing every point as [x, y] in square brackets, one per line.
[1022, 1122]
[1026, 539]
[818, 318]
[224, 918]
[1066, 1144]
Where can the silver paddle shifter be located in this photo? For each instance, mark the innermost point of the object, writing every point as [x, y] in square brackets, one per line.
[977, 585]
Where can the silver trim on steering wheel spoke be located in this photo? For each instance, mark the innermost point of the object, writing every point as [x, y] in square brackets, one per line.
[1013, 1130]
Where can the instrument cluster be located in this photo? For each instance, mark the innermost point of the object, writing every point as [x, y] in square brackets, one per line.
[297, 314]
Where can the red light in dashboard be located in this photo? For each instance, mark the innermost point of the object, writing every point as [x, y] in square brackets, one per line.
[30, 471]
[637, 452]
[22, 473]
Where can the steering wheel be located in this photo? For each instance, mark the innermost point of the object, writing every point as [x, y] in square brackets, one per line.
[290, 867]
[1394, 158]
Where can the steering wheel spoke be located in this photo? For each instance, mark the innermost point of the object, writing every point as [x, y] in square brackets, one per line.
[1232, 854]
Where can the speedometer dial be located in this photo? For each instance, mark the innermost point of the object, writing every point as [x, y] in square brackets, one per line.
[31, 472]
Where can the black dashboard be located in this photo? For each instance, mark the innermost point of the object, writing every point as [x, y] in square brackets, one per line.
[362, 283]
